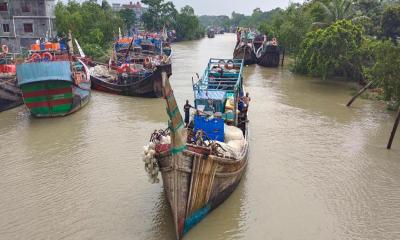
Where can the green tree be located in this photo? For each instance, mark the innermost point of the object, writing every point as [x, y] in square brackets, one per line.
[390, 23]
[335, 10]
[187, 25]
[386, 69]
[334, 50]
[128, 16]
[237, 18]
[92, 24]
[158, 14]
[370, 12]
[292, 29]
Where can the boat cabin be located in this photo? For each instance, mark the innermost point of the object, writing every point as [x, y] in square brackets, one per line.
[218, 96]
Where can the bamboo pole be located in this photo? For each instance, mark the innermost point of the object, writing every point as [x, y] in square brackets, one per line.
[70, 45]
[359, 93]
[393, 133]
[129, 49]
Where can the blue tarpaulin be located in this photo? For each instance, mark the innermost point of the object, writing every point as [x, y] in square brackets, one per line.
[43, 71]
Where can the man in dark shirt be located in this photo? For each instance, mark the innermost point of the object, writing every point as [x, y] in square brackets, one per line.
[187, 112]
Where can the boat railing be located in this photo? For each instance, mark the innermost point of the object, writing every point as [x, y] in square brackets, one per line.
[229, 83]
[226, 85]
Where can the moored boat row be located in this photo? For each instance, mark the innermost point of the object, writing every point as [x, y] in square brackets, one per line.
[10, 94]
[257, 48]
[53, 81]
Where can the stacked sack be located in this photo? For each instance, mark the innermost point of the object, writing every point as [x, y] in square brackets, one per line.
[234, 138]
[234, 142]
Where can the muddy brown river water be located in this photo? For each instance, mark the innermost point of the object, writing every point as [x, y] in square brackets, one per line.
[317, 170]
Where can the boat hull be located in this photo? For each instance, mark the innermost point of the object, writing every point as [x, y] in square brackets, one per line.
[196, 183]
[270, 57]
[246, 53]
[10, 94]
[150, 86]
[54, 98]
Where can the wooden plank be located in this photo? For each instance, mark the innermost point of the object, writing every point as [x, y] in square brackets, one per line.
[393, 133]
[359, 93]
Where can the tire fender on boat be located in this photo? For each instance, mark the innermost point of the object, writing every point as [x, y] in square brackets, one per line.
[4, 48]
[274, 41]
[47, 55]
[35, 57]
[147, 61]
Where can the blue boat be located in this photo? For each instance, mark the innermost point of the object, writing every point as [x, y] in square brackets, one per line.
[205, 160]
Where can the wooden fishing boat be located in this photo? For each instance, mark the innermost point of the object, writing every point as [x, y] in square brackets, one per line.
[135, 69]
[210, 33]
[269, 54]
[245, 51]
[137, 81]
[54, 82]
[10, 94]
[200, 170]
[258, 42]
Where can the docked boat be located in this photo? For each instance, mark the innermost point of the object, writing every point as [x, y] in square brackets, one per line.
[10, 94]
[258, 41]
[244, 48]
[245, 51]
[135, 68]
[210, 33]
[53, 82]
[202, 163]
[269, 54]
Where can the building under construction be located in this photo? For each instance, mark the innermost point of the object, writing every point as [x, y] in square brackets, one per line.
[22, 22]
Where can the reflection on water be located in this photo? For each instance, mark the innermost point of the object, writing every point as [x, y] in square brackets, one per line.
[317, 169]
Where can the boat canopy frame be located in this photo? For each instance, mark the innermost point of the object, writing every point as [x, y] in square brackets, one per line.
[207, 83]
[229, 84]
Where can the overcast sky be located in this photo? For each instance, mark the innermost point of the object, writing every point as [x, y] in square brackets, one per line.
[223, 7]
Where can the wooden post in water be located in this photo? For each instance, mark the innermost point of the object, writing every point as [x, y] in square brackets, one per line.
[359, 93]
[393, 133]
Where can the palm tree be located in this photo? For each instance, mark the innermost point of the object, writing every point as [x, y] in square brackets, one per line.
[337, 10]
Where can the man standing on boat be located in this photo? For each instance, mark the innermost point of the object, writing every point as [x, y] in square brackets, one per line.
[246, 100]
[187, 112]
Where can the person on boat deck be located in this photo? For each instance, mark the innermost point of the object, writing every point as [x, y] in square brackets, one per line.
[238, 36]
[186, 108]
[246, 100]
[64, 41]
[250, 35]
[243, 35]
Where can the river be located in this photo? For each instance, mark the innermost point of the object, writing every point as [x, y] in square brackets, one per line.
[317, 169]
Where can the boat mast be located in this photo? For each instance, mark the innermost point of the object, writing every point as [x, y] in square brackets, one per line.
[70, 45]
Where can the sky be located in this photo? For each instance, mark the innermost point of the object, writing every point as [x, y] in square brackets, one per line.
[223, 7]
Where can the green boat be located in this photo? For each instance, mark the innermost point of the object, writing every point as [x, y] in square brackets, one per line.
[54, 88]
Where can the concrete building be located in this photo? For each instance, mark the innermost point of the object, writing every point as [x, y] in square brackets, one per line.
[24, 21]
[136, 7]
